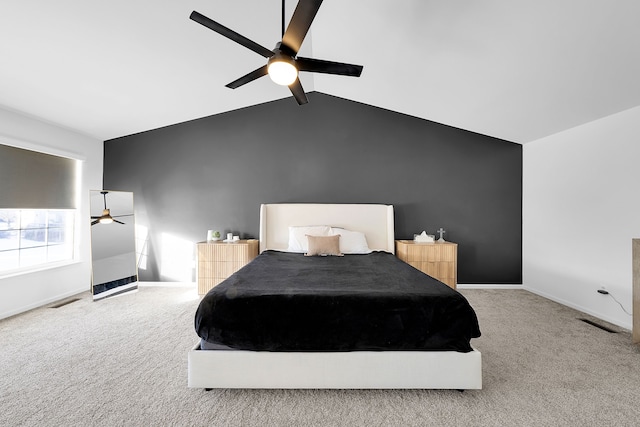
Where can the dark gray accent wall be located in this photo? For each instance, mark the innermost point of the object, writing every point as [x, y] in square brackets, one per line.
[214, 172]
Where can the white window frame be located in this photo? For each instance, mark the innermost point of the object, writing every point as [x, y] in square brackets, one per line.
[77, 221]
[22, 249]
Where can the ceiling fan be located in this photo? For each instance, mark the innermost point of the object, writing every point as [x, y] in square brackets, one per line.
[106, 217]
[283, 64]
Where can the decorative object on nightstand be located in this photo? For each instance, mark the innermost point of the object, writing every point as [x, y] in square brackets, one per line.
[423, 238]
[439, 260]
[441, 231]
[213, 236]
[218, 260]
[231, 238]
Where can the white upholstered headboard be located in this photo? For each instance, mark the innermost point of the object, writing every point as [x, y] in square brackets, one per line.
[375, 221]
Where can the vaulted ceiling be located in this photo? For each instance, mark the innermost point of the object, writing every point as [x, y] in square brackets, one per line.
[516, 70]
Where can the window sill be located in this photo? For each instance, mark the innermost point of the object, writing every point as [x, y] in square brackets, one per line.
[37, 268]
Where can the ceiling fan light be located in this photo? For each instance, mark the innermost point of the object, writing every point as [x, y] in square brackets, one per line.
[282, 72]
[106, 216]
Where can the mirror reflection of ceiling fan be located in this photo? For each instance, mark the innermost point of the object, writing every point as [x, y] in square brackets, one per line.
[283, 64]
[106, 217]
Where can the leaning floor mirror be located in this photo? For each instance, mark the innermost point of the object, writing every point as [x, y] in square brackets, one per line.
[113, 247]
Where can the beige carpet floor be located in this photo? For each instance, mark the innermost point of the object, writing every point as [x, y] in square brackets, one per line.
[123, 362]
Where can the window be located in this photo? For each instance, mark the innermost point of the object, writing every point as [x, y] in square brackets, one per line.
[38, 200]
[30, 237]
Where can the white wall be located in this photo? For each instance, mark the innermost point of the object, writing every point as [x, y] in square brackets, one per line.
[22, 292]
[581, 208]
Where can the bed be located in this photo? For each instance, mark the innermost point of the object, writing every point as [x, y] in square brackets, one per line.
[306, 345]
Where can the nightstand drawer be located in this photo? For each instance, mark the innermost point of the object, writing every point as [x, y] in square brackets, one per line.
[434, 252]
[438, 260]
[218, 260]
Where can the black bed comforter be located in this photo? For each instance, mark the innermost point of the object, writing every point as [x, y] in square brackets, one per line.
[288, 302]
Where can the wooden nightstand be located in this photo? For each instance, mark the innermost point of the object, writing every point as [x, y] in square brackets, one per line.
[219, 260]
[438, 260]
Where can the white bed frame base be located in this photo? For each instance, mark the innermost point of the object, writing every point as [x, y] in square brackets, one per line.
[343, 370]
[332, 370]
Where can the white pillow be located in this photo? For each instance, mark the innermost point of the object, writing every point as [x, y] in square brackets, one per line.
[351, 242]
[298, 236]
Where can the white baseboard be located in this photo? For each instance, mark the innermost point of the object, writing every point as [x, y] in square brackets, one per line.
[487, 286]
[41, 303]
[169, 284]
[616, 322]
[625, 325]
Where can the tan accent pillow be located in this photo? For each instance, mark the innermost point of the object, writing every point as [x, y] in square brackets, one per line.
[323, 245]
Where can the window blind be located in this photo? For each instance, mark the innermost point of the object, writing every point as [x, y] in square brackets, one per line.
[33, 180]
